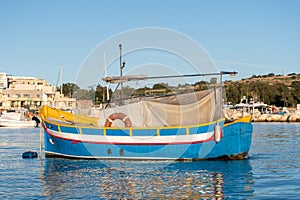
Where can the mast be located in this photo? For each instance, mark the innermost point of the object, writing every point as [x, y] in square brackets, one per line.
[61, 84]
[120, 46]
[105, 69]
[121, 73]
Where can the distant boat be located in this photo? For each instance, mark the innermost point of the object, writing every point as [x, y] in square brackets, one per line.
[253, 104]
[250, 108]
[181, 127]
[16, 120]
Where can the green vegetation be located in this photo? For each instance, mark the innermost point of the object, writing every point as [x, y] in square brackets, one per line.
[282, 91]
[73, 90]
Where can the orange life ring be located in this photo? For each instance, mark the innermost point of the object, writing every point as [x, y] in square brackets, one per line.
[120, 116]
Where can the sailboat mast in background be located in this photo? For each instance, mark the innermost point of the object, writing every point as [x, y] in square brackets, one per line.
[61, 84]
[105, 69]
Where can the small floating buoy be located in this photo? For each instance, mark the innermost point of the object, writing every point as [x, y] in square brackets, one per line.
[29, 154]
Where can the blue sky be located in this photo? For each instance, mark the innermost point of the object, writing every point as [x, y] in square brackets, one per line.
[251, 37]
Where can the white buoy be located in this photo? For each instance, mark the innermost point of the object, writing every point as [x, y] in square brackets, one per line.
[217, 133]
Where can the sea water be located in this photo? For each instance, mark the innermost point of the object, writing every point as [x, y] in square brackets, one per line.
[271, 172]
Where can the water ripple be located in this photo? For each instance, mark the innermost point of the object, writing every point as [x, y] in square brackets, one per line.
[271, 172]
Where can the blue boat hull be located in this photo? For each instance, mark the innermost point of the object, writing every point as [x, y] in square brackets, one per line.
[234, 144]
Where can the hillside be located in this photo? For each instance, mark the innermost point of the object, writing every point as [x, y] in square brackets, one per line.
[282, 91]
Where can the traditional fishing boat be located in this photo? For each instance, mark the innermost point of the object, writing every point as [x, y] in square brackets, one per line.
[175, 127]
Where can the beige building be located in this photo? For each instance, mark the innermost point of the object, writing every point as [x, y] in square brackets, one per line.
[3, 81]
[30, 92]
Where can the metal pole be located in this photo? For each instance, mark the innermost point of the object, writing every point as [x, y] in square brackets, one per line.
[144, 77]
[221, 95]
[121, 73]
[41, 141]
[61, 84]
[120, 46]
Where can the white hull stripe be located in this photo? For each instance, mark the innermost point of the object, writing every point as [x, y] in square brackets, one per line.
[133, 140]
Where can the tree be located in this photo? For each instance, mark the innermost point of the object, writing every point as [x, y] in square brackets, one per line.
[69, 89]
[201, 85]
[101, 93]
[161, 86]
[232, 93]
[295, 91]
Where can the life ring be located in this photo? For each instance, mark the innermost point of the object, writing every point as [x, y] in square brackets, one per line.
[120, 116]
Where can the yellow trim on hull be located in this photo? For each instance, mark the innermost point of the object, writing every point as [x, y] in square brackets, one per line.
[246, 119]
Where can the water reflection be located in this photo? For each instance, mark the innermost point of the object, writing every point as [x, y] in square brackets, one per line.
[140, 180]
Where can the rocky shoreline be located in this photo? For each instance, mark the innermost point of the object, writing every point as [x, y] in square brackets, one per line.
[288, 117]
[232, 114]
